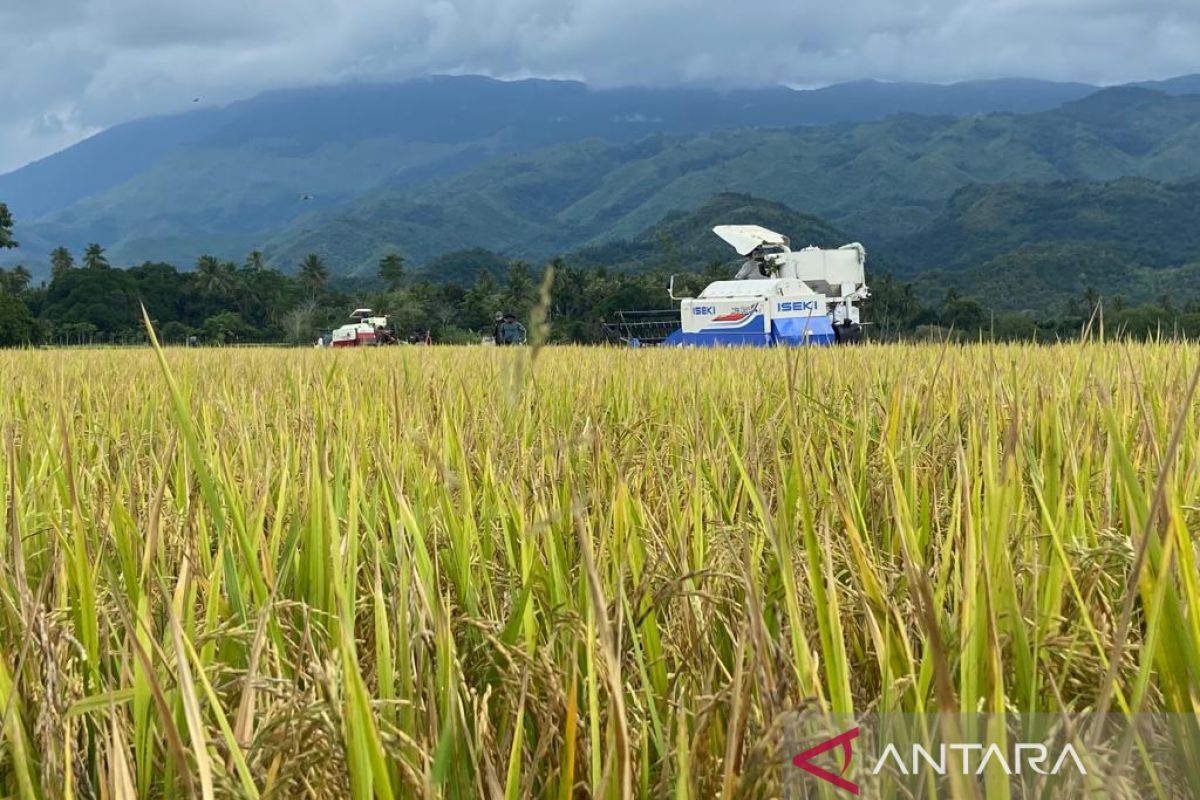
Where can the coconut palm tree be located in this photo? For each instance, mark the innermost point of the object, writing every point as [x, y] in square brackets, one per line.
[93, 257]
[214, 278]
[313, 273]
[61, 261]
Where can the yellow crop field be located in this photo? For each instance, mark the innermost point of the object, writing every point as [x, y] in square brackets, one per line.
[573, 572]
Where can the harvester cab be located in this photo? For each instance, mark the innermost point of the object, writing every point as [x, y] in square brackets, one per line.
[778, 296]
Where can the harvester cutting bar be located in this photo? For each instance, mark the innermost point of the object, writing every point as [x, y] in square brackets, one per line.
[643, 327]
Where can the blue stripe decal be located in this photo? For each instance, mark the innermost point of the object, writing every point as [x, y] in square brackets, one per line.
[795, 331]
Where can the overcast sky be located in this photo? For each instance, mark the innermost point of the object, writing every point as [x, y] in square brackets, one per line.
[71, 67]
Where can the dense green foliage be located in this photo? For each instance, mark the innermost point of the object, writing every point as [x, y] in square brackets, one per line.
[463, 266]
[1048, 291]
[263, 305]
[17, 325]
[217, 302]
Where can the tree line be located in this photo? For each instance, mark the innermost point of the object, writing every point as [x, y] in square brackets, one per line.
[89, 301]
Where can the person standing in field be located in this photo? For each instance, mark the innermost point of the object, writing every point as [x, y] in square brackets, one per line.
[496, 323]
[511, 331]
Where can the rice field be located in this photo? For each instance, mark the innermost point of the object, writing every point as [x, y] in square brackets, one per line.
[471, 572]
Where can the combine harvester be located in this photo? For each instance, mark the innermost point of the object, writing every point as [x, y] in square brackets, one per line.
[365, 329]
[778, 297]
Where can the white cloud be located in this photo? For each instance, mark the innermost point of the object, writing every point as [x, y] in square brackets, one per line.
[72, 66]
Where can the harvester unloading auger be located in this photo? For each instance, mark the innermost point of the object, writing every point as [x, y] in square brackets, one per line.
[778, 297]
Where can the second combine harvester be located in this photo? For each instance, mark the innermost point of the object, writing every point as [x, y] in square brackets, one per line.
[778, 297]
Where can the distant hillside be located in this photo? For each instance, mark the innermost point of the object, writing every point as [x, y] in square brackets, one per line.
[682, 242]
[1013, 247]
[1046, 277]
[685, 241]
[1184, 84]
[223, 180]
[879, 182]
[1141, 220]
[100, 162]
[1042, 247]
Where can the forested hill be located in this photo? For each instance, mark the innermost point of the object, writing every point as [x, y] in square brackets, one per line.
[1142, 221]
[683, 240]
[1009, 247]
[878, 181]
[1039, 246]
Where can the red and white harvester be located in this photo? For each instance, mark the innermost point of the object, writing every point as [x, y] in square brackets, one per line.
[365, 328]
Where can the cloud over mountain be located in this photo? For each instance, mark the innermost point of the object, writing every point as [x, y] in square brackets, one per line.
[74, 66]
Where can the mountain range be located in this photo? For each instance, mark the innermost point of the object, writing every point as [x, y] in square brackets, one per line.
[536, 168]
[492, 115]
[1026, 192]
[885, 183]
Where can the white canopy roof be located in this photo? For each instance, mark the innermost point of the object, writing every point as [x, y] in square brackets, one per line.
[744, 238]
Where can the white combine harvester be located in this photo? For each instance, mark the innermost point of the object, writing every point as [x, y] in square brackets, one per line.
[778, 297]
[365, 328]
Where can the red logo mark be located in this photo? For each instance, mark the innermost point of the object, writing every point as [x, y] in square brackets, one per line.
[737, 314]
[804, 760]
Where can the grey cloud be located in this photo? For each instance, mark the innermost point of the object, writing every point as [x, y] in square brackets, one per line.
[73, 66]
